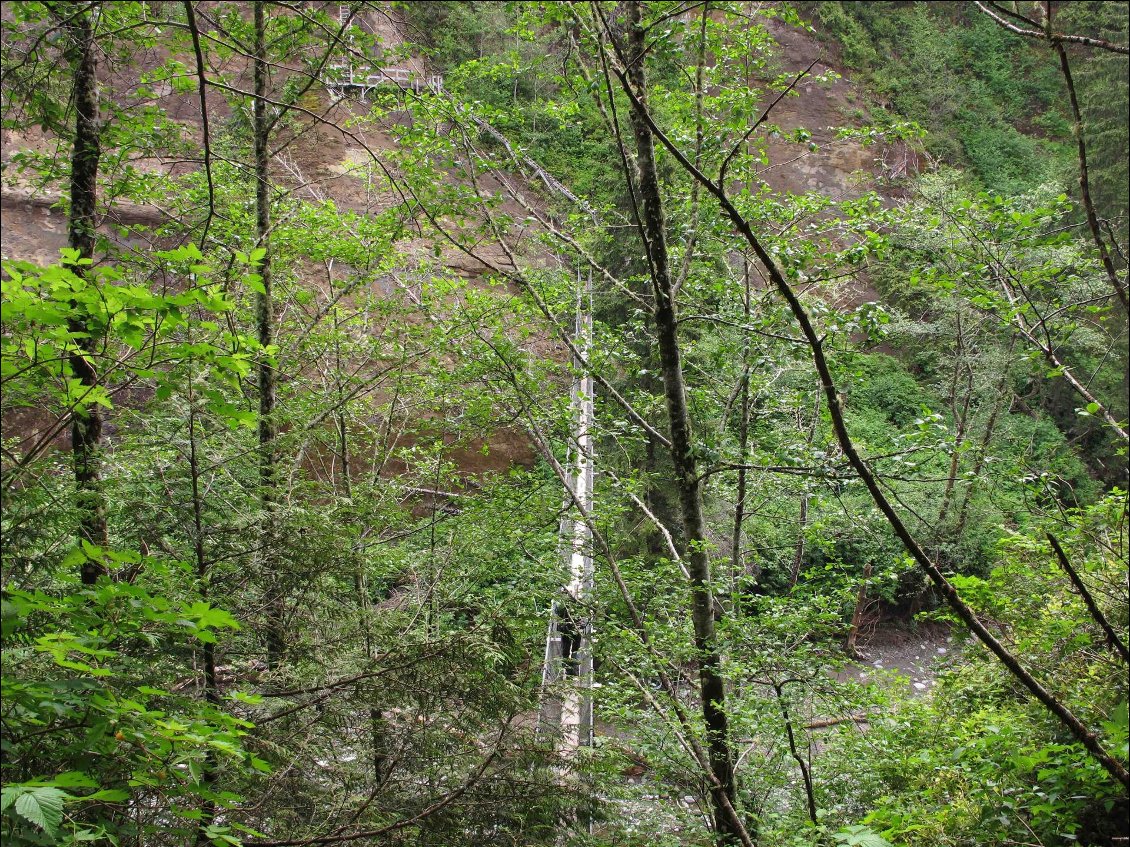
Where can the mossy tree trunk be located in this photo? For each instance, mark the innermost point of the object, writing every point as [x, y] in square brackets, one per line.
[86, 420]
[687, 480]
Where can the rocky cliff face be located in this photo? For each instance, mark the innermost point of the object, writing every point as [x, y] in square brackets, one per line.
[838, 168]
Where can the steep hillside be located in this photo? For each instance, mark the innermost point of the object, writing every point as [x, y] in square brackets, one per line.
[604, 424]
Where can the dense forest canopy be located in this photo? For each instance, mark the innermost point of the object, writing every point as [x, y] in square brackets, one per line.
[607, 423]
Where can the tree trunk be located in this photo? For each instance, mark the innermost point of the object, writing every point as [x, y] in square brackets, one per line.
[961, 421]
[208, 649]
[265, 324]
[687, 481]
[1116, 283]
[857, 616]
[360, 583]
[798, 551]
[86, 422]
[736, 558]
[802, 763]
[1002, 398]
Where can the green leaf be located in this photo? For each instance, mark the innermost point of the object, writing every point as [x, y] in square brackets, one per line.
[208, 617]
[73, 779]
[42, 807]
[255, 283]
[109, 795]
[88, 835]
[860, 836]
[260, 764]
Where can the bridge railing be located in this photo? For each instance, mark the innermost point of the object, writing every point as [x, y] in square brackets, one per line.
[342, 75]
